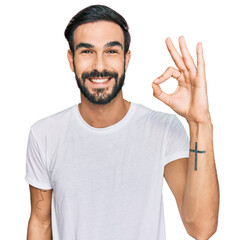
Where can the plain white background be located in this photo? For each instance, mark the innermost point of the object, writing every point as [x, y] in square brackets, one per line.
[36, 82]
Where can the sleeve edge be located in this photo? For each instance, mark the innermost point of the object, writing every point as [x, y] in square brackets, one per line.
[176, 156]
[36, 184]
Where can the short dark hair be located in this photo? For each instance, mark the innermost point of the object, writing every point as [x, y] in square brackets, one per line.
[96, 13]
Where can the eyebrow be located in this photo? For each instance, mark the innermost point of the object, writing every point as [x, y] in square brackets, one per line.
[88, 45]
[114, 43]
[85, 45]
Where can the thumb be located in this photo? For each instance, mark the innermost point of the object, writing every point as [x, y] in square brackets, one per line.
[159, 94]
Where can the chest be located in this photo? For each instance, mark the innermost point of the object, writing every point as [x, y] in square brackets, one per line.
[103, 165]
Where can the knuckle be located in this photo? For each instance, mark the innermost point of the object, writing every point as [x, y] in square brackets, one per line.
[158, 95]
[192, 71]
[155, 95]
[171, 68]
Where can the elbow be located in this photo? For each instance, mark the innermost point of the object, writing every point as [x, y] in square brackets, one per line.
[203, 236]
[201, 230]
[36, 227]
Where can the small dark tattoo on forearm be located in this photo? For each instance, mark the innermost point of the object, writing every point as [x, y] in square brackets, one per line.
[41, 199]
[196, 152]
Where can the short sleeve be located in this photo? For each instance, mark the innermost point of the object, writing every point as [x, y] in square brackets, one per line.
[177, 141]
[36, 171]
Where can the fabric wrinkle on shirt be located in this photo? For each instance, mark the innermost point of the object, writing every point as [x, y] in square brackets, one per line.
[107, 182]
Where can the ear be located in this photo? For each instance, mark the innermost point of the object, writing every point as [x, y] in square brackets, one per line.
[127, 59]
[70, 59]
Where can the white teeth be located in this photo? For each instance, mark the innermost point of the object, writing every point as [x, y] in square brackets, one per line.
[97, 80]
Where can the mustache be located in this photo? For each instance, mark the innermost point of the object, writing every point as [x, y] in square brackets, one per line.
[97, 74]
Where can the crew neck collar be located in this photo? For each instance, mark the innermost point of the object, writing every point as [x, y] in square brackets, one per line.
[111, 128]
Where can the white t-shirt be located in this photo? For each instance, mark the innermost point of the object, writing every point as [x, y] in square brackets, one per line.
[107, 182]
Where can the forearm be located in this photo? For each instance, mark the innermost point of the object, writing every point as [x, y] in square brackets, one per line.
[201, 198]
[39, 231]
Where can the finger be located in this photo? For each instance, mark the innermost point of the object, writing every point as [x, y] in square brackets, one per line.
[170, 72]
[159, 94]
[175, 55]
[188, 60]
[200, 60]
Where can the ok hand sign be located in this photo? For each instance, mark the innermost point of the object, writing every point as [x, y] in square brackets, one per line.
[190, 99]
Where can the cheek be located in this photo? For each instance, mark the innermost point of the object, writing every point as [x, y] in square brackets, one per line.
[116, 65]
[82, 65]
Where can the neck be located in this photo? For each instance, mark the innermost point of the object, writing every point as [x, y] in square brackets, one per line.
[100, 116]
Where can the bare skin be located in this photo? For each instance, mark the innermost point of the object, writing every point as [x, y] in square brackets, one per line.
[195, 186]
[39, 226]
[196, 191]
[98, 34]
[98, 117]
[100, 57]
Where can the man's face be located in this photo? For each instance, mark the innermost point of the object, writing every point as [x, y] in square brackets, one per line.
[99, 62]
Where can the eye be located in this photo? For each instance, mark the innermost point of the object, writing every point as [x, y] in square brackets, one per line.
[112, 51]
[86, 51]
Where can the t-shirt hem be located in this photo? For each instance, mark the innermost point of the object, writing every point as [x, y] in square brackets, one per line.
[37, 184]
[176, 156]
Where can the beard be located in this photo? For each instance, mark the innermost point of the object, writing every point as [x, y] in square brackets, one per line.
[100, 95]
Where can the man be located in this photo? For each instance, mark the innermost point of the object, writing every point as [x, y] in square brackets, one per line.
[96, 169]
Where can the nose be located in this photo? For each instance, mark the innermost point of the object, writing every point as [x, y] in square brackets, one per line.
[99, 63]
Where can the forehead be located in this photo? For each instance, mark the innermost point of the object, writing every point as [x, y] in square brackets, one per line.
[98, 33]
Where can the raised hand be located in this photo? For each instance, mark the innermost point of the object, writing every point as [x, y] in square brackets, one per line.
[190, 98]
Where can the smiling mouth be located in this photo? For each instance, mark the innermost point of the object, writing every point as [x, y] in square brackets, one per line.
[100, 80]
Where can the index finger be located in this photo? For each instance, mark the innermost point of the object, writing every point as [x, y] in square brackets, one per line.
[175, 55]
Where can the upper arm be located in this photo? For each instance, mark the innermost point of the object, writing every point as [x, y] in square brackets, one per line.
[40, 204]
[175, 174]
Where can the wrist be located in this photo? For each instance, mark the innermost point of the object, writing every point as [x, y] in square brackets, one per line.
[201, 129]
[204, 121]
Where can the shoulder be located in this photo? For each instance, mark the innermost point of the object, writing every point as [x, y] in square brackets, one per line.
[154, 116]
[52, 123]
